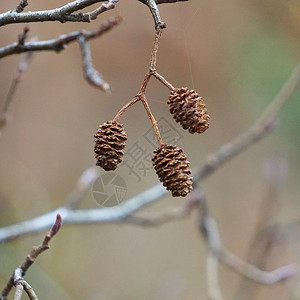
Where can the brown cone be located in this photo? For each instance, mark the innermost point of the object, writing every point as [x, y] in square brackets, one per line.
[188, 109]
[173, 169]
[110, 139]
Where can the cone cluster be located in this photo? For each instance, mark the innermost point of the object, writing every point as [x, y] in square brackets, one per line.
[188, 109]
[110, 140]
[169, 161]
[173, 169]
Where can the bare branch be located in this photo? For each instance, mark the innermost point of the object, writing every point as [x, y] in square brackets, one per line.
[212, 266]
[20, 272]
[104, 7]
[172, 214]
[211, 233]
[22, 67]
[22, 285]
[62, 14]
[84, 183]
[152, 5]
[163, 1]
[91, 75]
[59, 43]
[168, 1]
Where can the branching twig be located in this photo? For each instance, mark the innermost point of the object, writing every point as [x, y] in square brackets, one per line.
[262, 243]
[152, 5]
[22, 285]
[212, 265]
[104, 7]
[59, 43]
[211, 233]
[19, 273]
[136, 203]
[169, 215]
[62, 14]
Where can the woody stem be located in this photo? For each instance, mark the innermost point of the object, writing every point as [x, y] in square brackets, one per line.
[163, 81]
[151, 117]
[122, 110]
[157, 38]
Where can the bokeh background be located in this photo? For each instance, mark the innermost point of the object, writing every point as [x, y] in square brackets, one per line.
[237, 55]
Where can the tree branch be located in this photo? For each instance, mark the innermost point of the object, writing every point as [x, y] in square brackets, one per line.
[210, 232]
[20, 272]
[62, 14]
[59, 43]
[91, 75]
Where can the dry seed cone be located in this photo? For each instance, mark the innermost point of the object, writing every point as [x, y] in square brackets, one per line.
[188, 109]
[173, 169]
[110, 140]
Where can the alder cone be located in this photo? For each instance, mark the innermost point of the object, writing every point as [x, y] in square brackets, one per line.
[188, 109]
[110, 140]
[173, 169]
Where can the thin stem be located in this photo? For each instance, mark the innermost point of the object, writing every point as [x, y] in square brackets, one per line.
[152, 119]
[158, 33]
[163, 81]
[145, 83]
[123, 109]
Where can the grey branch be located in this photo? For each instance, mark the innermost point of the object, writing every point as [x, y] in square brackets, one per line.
[152, 5]
[163, 1]
[19, 273]
[22, 285]
[91, 75]
[210, 231]
[62, 14]
[59, 43]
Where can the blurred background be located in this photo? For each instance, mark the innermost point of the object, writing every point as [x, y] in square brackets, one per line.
[237, 55]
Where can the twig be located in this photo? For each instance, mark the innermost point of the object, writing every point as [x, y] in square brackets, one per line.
[59, 43]
[91, 75]
[152, 119]
[22, 67]
[261, 243]
[170, 215]
[104, 7]
[211, 233]
[62, 14]
[152, 5]
[21, 6]
[212, 266]
[20, 272]
[22, 285]
[84, 183]
[23, 36]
